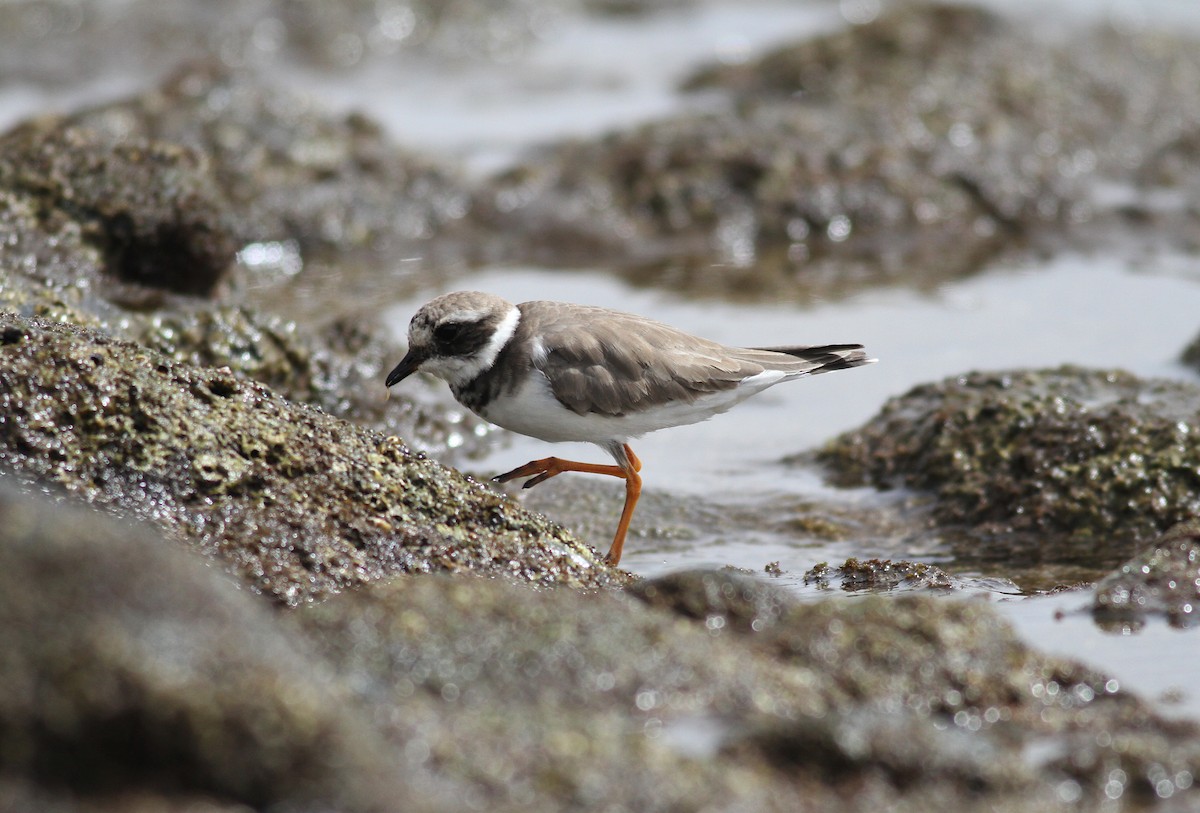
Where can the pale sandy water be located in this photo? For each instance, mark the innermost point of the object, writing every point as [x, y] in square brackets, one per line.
[584, 76]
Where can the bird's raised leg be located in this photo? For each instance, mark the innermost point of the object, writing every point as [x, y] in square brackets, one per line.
[539, 471]
[633, 490]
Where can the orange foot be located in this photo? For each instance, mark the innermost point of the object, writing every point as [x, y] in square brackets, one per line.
[539, 471]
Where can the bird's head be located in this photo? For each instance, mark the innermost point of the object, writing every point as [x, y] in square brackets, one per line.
[457, 336]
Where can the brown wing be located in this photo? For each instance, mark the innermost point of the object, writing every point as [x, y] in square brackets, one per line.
[607, 362]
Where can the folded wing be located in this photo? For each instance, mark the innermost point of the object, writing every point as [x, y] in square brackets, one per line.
[607, 362]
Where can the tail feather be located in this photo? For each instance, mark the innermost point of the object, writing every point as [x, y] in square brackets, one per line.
[826, 358]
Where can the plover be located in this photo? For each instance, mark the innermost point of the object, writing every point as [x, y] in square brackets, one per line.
[563, 372]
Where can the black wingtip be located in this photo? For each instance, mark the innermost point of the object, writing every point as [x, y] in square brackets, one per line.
[827, 358]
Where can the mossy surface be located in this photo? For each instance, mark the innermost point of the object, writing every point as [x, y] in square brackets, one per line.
[1066, 465]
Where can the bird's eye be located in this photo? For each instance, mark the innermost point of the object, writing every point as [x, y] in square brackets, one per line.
[448, 331]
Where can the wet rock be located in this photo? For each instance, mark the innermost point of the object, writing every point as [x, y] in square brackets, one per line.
[933, 136]
[900, 746]
[1164, 579]
[832, 705]
[148, 207]
[1062, 465]
[134, 677]
[324, 211]
[1025, 137]
[297, 502]
[907, 39]
[587, 687]
[420, 689]
[121, 219]
[722, 599]
[339, 367]
[291, 172]
[46, 265]
[879, 574]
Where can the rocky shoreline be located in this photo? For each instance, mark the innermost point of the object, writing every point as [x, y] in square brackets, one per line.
[233, 576]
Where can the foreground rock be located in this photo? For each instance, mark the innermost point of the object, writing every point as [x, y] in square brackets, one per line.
[720, 693]
[131, 672]
[1063, 465]
[297, 502]
[130, 668]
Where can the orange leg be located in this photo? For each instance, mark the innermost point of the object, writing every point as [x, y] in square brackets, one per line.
[633, 490]
[539, 471]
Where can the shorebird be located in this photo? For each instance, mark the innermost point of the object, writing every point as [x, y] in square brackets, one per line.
[563, 372]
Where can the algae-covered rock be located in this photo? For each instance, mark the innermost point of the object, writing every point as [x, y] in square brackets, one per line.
[878, 574]
[130, 669]
[741, 603]
[1163, 579]
[1062, 465]
[297, 502]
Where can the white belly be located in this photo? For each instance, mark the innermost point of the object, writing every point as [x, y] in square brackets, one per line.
[533, 410]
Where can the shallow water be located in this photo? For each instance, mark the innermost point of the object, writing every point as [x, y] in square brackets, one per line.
[1159, 662]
